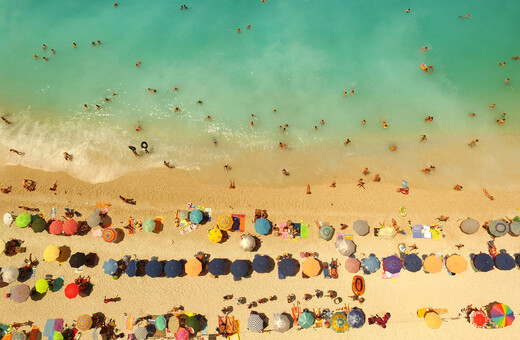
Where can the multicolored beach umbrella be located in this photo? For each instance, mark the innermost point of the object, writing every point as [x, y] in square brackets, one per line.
[339, 322]
[501, 315]
[183, 215]
[225, 222]
[148, 225]
[326, 232]
[109, 235]
[498, 228]
[305, 320]
[514, 227]
[23, 220]
[84, 322]
[41, 286]
[356, 318]
[215, 235]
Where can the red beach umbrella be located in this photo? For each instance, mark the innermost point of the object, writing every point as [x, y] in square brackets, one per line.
[72, 290]
[56, 227]
[70, 227]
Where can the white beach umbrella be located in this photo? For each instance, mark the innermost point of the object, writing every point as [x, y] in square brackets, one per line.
[469, 226]
[281, 323]
[247, 242]
[387, 233]
[345, 247]
[8, 219]
[10, 274]
[361, 227]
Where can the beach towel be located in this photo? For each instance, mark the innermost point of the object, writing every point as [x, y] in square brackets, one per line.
[48, 330]
[53, 213]
[233, 337]
[79, 270]
[304, 230]
[102, 205]
[159, 221]
[326, 271]
[297, 227]
[129, 323]
[97, 232]
[95, 334]
[284, 234]
[387, 275]
[239, 222]
[34, 333]
[208, 214]
[58, 325]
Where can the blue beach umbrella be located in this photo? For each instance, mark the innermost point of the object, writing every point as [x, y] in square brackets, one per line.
[287, 267]
[356, 318]
[412, 263]
[262, 226]
[326, 232]
[239, 269]
[370, 264]
[392, 264]
[148, 225]
[154, 268]
[196, 216]
[483, 262]
[498, 228]
[173, 268]
[110, 267]
[131, 268]
[217, 267]
[504, 261]
[261, 263]
[306, 320]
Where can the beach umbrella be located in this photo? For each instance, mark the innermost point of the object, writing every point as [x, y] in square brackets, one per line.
[196, 216]
[255, 323]
[456, 264]
[392, 264]
[192, 324]
[140, 333]
[504, 261]
[173, 323]
[193, 267]
[10, 274]
[356, 318]
[352, 265]
[433, 320]
[154, 268]
[469, 226]
[326, 232]
[247, 242]
[173, 268]
[182, 334]
[281, 323]
[110, 267]
[412, 263]
[160, 322]
[131, 268]
[261, 264]
[501, 315]
[84, 322]
[148, 225]
[70, 227]
[41, 286]
[38, 225]
[370, 264]
[20, 293]
[225, 222]
[387, 233]
[478, 318]
[77, 260]
[514, 228]
[217, 267]
[215, 235]
[8, 219]
[305, 320]
[239, 269]
[56, 227]
[262, 226]
[498, 228]
[361, 227]
[94, 220]
[433, 264]
[51, 253]
[109, 235]
[183, 214]
[339, 322]
[23, 220]
[287, 267]
[72, 290]
[311, 267]
[483, 262]
[345, 246]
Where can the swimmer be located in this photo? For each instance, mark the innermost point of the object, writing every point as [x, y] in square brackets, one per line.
[227, 167]
[376, 178]
[286, 125]
[464, 17]
[45, 58]
[365, 171]
[74, 45]
[176, 110]
[347, 141]
[138, 63]
[424, 49]
[238, 30]
[93, 43]
[322, 122]
[503, 114]
[315, 127]
[35, 56]
[175, 89]
[352, 93]
[107, 100]
[53, 51]
[116, 4]
[67, 156]
[215, 142]
[363, 122]
[248, 27]
[133, 150]
[85, 106]
[385, 126]
[208, 118]
[44, 46]
[502, 64]
[393, 147]
[472, 114]
[283, 146]
[5, 120]
[492, 106]
[252, 123]
[408, 10]
[473, 143]
[516, 58]
[423, 138]
[138, 127]
[506, 81]
[274, 110]
[428, 119]
[98, 107]
[99, 42]
[344, 93]
[252, 115]
[199, 101]
[501, 121]
[152, 90]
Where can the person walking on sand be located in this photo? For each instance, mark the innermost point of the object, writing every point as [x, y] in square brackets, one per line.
[231, 184]
[376, 178]
[67, 156]
[333, 184]
[168, 165]
[5, 120]
[134, 151]
[365, 171]
[360, 183]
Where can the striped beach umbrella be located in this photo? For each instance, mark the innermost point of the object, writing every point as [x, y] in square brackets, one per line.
[215, 235]
[339, 322]
[498, 228]
[51, 253]
[225, 222]
[255, 323]
[148, 225]
[305, 320]
[41, 286]
[72, 290]
[326, 232]
[84, 322]
[183, 214]
[501, 315]
[23, 220]
[109, 235]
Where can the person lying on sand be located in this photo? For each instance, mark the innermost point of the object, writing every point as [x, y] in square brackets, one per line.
[365, 171]
[360, 183]
[442, 218]
[127, 200]
[423, 138]
[23, 207]
[457, 187]
[473, 143]
[67, 156]
[54, 186]
[5, 120]
[6, 190]
[16, 152]
[488, 195]
[29, 184]
[168, 165]
[376, 178]
[231, 184]
[347, 141]
[460, 245]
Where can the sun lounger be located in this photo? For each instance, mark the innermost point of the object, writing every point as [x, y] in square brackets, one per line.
[326, 271]
[230, 325]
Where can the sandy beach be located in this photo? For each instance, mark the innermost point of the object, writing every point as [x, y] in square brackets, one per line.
[162, 191]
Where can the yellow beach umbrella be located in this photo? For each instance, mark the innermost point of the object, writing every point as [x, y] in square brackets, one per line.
[41, 286]
[51, 253]
[225, 222]
[215, 235]
[433, 320]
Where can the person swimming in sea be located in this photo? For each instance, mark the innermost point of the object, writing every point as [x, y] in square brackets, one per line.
[53, 51]
[385, 126]
[423, 138]
[473, 143]
[151, 90]
[492, 106]
[7, 122]
[506, 81]
[347, 141]
[35, 56]
[424, 49]
[283, 146]
[252, 123]
[138, 63]
[74, 45]
[408, 10]
[501, 121]
[85, 106]
[208, 118]
[238, 30]
[134, 151]
[428, 119]
[67, 156]
[393, 147]
[363, 122]
[144, 146]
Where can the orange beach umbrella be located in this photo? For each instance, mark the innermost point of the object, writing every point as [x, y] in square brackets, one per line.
[311, 267]
[193, 267]
[433, 264]
[456, 264]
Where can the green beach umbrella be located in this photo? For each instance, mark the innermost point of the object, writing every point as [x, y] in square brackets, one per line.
[148, 225]
[306, 320]
[42, 286]
[23, 220]
[326, 232]
[183, 215]
[38, 225]
[193, 324]
[160, 322]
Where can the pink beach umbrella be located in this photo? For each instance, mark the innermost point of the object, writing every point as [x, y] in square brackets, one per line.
[352, 265]
[56, 227]
[70, 227]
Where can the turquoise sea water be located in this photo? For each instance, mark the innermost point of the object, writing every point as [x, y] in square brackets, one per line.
[298, 57]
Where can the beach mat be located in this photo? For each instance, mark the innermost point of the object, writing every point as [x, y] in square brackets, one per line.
[304, 230]
[48, 330]
[159, 222]
[239, 222]
[129, 323]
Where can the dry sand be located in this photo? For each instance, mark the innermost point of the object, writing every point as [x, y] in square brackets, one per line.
[162, 191]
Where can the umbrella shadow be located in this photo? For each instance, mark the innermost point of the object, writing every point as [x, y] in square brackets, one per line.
[228, 266]
[141, 268]
[35, 296]
[83, 228]
[291, 320]
[120, 235]
[272, 264]
[3, 284]
[249, 269]
[258, 244]
[265, 319]
[107, 221]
